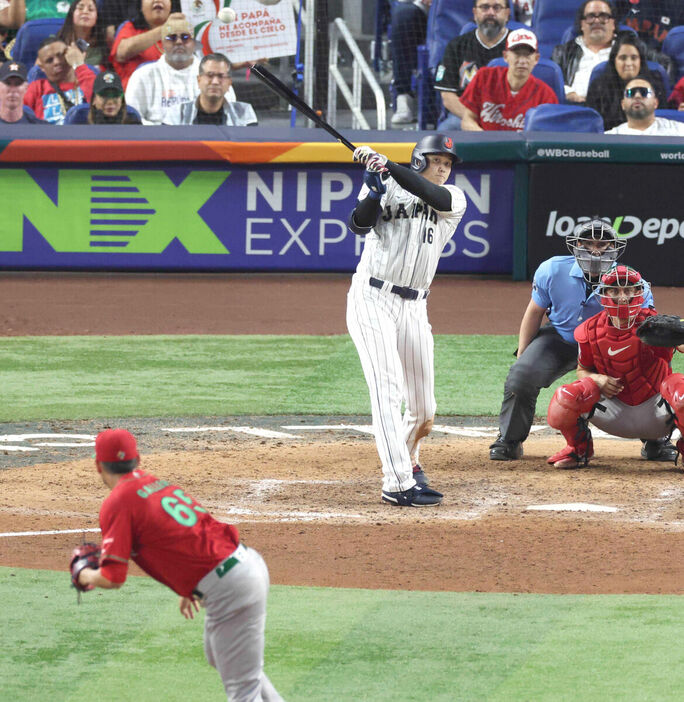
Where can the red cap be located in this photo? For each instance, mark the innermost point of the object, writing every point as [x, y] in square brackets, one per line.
[115, 445]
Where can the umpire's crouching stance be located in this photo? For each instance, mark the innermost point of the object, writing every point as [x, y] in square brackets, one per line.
[176, 541]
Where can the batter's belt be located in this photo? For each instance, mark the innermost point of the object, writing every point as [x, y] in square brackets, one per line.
[223, 567]
[403, 292]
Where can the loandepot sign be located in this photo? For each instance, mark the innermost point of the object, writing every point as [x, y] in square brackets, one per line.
[99, 211]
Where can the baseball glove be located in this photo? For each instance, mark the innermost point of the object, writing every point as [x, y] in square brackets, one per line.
[662, 330]
[83, 556]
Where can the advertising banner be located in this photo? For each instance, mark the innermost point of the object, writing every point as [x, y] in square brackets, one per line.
[263, 218]
[642, 202]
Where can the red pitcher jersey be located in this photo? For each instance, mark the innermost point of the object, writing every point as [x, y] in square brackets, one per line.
[620, 353]
[166, 532]
[489, 96]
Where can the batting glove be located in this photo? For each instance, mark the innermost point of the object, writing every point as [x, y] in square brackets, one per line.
[362, 153]
[374, 184]
[376, 163]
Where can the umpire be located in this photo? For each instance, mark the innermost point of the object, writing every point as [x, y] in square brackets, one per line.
[564, 290]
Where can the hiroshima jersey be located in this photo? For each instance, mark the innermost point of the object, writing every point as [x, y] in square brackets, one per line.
[166, 532]
[619, 353]
[407, 240]
[496, 107]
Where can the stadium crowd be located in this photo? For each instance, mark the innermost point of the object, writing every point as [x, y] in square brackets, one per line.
[489, 74]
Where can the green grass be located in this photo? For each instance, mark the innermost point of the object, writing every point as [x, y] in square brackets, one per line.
[327, 644]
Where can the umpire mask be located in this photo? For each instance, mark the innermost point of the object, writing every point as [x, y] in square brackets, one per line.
[596, 247]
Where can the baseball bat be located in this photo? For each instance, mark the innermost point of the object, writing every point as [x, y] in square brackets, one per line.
[277, 86]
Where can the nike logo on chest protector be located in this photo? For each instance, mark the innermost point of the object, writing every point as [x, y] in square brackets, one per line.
[615, 352]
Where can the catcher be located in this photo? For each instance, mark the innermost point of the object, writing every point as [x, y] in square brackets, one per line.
[175, 540]
[625, 384]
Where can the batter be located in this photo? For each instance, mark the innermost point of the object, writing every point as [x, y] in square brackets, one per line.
[176, 541]
[624, 387]
[407, 216]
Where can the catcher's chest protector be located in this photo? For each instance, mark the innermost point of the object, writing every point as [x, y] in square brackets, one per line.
[620, 354]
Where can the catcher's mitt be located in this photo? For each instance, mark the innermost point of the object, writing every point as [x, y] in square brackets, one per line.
[83, 556]
[662, 330]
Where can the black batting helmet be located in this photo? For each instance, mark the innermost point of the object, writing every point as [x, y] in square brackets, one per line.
[432, 144]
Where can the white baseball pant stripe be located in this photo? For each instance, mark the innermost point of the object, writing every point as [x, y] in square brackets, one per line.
[394, 342]
[234, 626]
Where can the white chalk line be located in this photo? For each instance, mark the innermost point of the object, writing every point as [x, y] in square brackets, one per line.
[52, 532]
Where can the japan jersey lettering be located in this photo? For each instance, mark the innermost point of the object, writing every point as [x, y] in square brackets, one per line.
[619, 353]
[166, 532]
[407, 241]
[489, 96]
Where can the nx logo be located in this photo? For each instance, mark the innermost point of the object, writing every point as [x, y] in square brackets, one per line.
[110, 211]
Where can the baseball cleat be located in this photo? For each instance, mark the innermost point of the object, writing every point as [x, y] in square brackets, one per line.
[417, 496]
[573, 456]
[502, 450]
[658, 450]
[419, 475]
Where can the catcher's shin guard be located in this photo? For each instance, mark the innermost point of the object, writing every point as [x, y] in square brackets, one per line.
[672, 390]
[566, 408]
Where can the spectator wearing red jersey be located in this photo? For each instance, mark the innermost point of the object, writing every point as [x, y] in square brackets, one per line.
[677, 97]
[498, 97]
[68, 81]
[139, 40]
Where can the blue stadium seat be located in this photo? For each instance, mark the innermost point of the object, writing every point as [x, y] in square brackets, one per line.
[653, 66]
[29, 37]
[550, 19]
[563, 118]
[671, 114]
[673, 46]
[547, 70]
[78, 114]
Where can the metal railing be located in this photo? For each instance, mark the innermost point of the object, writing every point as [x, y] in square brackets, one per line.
[360, 70]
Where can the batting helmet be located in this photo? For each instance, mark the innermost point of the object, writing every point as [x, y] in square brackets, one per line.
[593, 257]
[621, 293]
[432, 144]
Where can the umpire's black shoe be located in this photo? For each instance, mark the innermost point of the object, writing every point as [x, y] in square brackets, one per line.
[502, 450]
[419, 475]
[417, 496]
[658, 450]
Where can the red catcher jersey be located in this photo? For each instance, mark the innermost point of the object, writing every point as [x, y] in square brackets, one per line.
[166, 532]
[621, 354]
[489, 96]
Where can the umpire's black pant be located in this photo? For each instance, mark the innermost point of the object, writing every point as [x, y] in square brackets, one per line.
[547, 358]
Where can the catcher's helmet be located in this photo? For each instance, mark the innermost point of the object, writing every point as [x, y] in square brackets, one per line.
[592, 259]
[621, 293]
[432, 144]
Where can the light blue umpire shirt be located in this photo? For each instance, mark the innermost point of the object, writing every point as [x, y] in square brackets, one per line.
[559, 286]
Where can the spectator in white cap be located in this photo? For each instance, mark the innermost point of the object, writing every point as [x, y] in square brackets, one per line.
[499, 96]
[13, 87]
[639, 104]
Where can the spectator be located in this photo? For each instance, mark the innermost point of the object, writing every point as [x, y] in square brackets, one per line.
[139, 40]
[68, 80]
[639, 103]
[169, 81]
[109, 104]
[523, 11]
[83, 22]
[677, 96]
[117, 12]
[498, 97]
[211, 106]
[409, 25]
[465, 54]
[13, 87]
[651, 19]
[627, 60]
[595, 27]
[12, 14]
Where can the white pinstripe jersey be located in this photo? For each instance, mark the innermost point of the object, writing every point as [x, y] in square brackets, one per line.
[405, 244]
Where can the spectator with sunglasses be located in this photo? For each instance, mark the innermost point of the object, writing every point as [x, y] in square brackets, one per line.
[156, 87]
[639, 103]
[140, 40]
